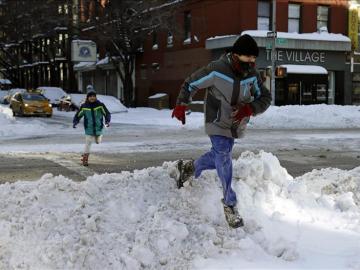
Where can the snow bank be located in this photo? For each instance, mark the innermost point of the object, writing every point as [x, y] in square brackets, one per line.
[113, 104]
[141, 220]
[283, 117]
[11, 127]
[154, 117]
[276, 117]
[308, 116]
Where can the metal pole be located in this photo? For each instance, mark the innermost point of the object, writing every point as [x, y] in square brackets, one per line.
[273, 52]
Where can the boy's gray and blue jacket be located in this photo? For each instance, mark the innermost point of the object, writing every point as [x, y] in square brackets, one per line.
[225, 91]
[94, 114]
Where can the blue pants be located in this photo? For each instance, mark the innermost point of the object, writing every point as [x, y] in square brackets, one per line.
[219, 158]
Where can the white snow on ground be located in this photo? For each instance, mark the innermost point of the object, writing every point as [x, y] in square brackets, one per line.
[284, 117]
[12, 127]
[308, 117]
[141, 220]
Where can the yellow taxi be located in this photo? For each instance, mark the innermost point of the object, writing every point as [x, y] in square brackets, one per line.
[30, 104]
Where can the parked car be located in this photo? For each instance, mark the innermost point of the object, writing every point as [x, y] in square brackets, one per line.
[54, 94]
[66, 104]
[7, 97]
[3, 93]
[30, 104]
[112, 103]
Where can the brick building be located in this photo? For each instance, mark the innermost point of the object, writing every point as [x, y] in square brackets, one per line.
[168, 58]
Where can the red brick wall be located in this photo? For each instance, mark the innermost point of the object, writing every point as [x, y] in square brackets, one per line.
[216, 18]
[338, 20]
[308, 15]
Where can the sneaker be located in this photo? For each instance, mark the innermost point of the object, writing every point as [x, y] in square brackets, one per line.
[185, 170]
[232, 216]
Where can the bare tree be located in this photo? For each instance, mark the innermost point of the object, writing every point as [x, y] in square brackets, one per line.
[124, 26]
[26, 24]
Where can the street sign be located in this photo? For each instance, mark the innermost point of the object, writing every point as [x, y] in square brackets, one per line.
[271, 34]
[281, 41]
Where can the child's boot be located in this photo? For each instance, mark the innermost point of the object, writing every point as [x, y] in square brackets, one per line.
[85, 159]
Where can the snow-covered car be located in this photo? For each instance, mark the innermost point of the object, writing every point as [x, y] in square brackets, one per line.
[53, 94]
[7, 97]
[65, 104]
[3, 93]
[112, 103]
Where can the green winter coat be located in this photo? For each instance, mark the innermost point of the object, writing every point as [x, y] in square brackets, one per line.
[94, 114]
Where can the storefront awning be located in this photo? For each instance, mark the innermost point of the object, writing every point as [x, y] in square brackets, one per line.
[305, 69]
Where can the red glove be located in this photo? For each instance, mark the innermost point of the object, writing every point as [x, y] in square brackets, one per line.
[179, 113]
[241, 112]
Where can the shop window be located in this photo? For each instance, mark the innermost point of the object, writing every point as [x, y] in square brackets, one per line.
[322, 17]
[294, 18]
[264, 15]
[331, 87]
[187, 27]
[321, 93]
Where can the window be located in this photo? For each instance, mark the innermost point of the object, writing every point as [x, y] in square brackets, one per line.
[264, 18]
[143, 71]
[187, 26]
[294, 18]
[170, 39]
[154, 41]
[322, 16]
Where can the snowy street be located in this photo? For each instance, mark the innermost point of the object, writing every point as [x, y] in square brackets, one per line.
[126, 147]
[110, 215]
[53, 146]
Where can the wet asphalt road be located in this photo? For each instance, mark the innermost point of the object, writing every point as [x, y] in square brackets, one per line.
[299, 151]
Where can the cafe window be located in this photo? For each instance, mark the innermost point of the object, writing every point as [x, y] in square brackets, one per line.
[264, 15]
[322, 16]
[294, 18]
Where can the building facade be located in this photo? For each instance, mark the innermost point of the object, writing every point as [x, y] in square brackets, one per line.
[42, 57]
[312, 45]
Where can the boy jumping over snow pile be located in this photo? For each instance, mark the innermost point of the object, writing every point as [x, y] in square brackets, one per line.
[234, 93]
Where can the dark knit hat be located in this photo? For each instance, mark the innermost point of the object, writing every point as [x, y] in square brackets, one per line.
[245, 45]
[90, 93]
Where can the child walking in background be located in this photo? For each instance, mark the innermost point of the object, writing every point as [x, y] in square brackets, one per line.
[94, 113]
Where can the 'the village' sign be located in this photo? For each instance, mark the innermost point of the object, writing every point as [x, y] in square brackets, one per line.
[297, 56]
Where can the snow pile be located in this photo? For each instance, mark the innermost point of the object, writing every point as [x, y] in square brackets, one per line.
[113, 104]
[308, 116]
[141, 220]
[11, 127]
[276, 117]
